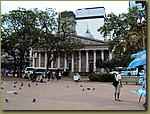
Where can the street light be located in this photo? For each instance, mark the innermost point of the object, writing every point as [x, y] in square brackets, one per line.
[142, 25]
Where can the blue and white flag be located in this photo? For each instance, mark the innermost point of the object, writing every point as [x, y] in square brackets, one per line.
[138, 54]
[140, 80]
[140, 92]
[144, 67]
[139, 60]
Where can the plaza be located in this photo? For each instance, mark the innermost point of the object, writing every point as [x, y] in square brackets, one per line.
[66, 94]
[86, 43]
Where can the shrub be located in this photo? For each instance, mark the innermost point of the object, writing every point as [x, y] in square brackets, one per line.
[101, 77]
[93, 77]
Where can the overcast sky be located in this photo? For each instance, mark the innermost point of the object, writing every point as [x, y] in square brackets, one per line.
[116, 7]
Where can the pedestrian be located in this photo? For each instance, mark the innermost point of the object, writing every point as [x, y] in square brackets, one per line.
[6, 72]
[53, 75]
[33, 76]
[144, 86]
[118, 87]
[43, 76]
[49, 75]
[57, 75]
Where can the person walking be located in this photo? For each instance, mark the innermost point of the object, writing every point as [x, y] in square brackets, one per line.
[33, 76]
[144, 86]
[118, 87]
[42, 77]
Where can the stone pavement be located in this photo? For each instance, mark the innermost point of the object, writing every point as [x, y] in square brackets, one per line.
[67, 95]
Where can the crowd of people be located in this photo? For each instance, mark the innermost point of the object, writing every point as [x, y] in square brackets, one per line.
[45, 76]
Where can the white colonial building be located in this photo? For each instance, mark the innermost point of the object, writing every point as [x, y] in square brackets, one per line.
[84, 61]
[88, 20]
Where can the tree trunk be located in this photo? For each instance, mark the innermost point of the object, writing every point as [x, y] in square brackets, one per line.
[15, 66]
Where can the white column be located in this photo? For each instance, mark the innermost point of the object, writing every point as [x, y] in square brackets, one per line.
[65, 62]
[102, 54]
[52, 63]
[72, 63]
[58, 62]
[94, 60]
[110, 55]
[87, 61]
[39, 59]
[33, 60]
[102, 57]
[45, 59]
[79, 69]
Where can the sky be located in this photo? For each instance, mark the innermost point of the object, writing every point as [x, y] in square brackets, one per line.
[116, 7]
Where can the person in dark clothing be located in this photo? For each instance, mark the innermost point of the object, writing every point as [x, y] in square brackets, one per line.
[33, 76]
[57, 75]
[49, 75]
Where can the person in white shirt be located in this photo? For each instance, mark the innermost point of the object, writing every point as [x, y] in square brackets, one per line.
[117, 89]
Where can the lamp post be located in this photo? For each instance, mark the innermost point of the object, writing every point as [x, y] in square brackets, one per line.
[142, 25]
[35, 57]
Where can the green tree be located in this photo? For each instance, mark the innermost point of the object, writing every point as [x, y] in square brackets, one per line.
[20, 31]
[124, 32]
[25, 29]
[56, 36]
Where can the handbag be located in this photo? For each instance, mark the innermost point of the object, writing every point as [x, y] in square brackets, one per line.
[115, 83]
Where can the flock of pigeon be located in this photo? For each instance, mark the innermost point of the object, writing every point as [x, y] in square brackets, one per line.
[20, 87]
[29, 85]
[88, 88]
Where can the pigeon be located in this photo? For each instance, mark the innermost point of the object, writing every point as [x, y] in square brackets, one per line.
[67, 86]
[2, 88]
[34, 100]
[93, 88]
[15, 82]
[88, 88]
[29, 85]
[15, 93]
[6, 100]
[21, 84]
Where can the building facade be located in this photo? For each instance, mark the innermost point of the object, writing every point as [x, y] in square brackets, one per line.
[88, 20]
[83, 61]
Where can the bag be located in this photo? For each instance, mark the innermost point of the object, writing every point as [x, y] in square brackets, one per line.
[115, 83]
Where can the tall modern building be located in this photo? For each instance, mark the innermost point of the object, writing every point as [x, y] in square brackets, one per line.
[89, 20]
[84, 27]
[67, 18]
[140, 4]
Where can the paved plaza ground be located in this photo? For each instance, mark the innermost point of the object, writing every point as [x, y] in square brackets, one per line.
[66, 94]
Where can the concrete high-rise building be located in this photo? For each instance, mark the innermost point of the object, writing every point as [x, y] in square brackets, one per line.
[67, 22]
[89, 20]
[140, 4]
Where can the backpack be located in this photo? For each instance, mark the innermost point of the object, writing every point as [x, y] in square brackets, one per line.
[115, 82]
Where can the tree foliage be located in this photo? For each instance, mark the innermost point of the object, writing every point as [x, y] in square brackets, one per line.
[19, 29]
[25, 29]
[125, 34]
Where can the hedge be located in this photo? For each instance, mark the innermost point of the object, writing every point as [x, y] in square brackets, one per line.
[101, 77]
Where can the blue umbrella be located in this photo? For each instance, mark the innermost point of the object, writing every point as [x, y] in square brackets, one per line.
[139, 60]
